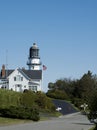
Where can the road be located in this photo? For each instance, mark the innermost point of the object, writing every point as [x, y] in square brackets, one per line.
[68, 122]
[67, 108]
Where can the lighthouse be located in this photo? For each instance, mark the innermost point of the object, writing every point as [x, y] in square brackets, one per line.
[34, 58]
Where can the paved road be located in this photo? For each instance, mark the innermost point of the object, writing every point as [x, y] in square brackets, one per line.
[69, 122]
[67, 108]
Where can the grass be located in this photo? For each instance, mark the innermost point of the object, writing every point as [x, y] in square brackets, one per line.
[49, 115]
[43, 116]
[92, 128]
[9, 121]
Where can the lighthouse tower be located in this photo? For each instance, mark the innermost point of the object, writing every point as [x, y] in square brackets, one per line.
[34, 58]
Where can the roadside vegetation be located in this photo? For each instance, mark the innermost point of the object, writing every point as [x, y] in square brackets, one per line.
[10, 121]
[92, 128]
[38, 105]
[27, 105]
[79, 92]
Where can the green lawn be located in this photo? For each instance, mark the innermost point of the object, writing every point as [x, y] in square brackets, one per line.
[9, 121]
[43, 116]
[92, 128]
[47, 115]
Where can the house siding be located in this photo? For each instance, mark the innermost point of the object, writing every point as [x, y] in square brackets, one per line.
[17, 85]
[19, 80]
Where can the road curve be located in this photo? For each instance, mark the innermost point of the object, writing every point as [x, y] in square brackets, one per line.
[69, 122]
[67, 108]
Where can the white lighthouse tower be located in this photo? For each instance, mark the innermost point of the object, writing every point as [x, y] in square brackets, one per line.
[34, 58]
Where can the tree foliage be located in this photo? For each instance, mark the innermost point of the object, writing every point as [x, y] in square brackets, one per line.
[78, 91]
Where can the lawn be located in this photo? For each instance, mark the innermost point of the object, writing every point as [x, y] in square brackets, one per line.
[9, 121]
[92, 128]
[43, 116]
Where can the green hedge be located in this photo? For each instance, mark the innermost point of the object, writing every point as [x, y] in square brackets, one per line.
[20, 112]
[57, 94]
[25, 105]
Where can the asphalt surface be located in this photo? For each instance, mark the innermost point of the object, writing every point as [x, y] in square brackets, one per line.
[67, 108]
[69, 122]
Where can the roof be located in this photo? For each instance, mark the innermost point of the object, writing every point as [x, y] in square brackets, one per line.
[8, 72]
[34, 46]
[31, 74]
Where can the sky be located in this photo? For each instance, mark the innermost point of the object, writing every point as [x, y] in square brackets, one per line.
[64, 30]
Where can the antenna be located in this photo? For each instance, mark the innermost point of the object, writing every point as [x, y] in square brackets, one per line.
[6, 63]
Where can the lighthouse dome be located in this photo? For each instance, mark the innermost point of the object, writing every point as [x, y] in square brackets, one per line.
[34, 51]
[34, 46]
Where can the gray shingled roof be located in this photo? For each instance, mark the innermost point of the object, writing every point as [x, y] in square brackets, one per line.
[32, 74]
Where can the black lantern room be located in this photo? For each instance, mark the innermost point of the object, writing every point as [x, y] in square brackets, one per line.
[34, 51]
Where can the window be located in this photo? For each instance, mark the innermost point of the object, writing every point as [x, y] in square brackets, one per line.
[25, 86]
[33, 88]
[18, 78]
[21, 78]
[14, 78]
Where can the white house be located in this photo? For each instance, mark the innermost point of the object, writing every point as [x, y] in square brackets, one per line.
[22, 79]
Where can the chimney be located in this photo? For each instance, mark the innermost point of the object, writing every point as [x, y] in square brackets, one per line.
[3, 73]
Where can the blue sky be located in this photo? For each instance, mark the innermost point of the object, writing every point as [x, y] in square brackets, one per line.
[64, 30]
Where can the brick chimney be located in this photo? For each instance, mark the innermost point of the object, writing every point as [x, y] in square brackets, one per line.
[3, 73]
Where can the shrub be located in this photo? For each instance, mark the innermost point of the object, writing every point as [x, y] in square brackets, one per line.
[57, 94]
[20, 112]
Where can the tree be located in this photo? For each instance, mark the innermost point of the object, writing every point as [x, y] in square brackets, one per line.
[78, 91]
[51, 85]
[87, 83]
[92, 104]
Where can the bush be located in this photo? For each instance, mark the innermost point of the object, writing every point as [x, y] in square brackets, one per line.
[77, 102]
[44, 102]
[24, 105]
[57, 94]
[20, 113]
